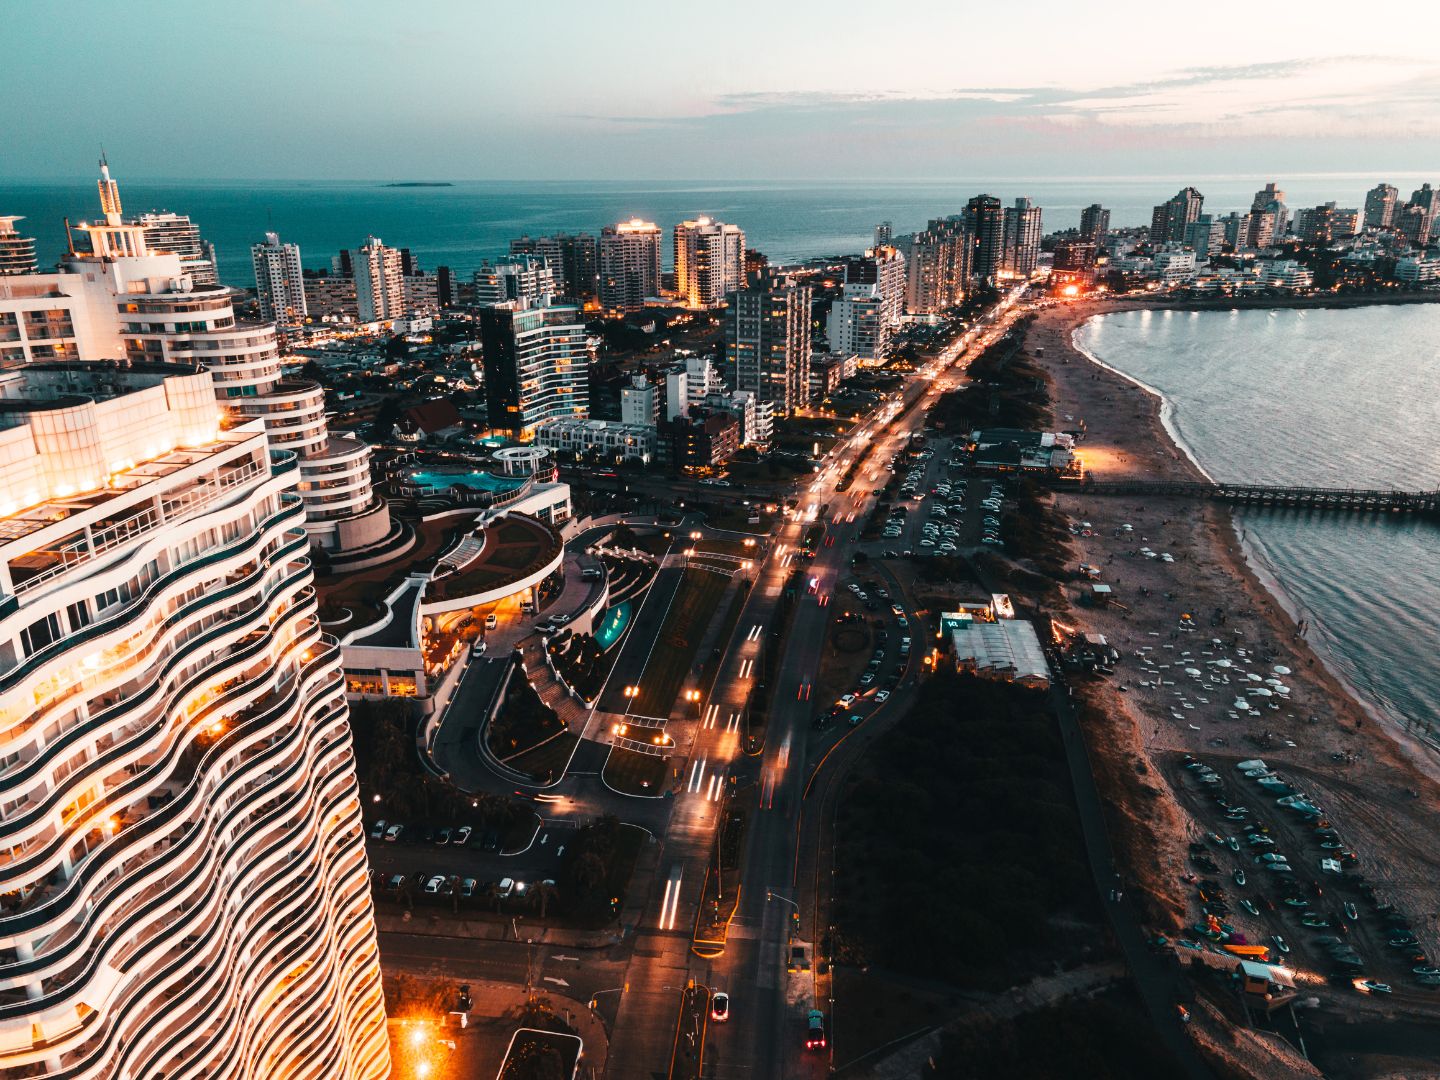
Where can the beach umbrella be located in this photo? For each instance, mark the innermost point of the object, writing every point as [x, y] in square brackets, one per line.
[1192, 671]
[1260, 691]
[1241, 703]
[1254, 678]
[1222, 663]
[1280, 669]
[1281, 688]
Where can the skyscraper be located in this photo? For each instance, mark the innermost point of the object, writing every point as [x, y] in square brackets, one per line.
[177, 234]
[767, 341]
[709, 261]
[938, 268]
[574, 262]
[279, 283]
[629, 264]
[536, 366]
[1380, 206]
[379, 281]
[529, 278]
[885, 269]
[1095, 225]
[1022, 237]
[1265, 196]
[186, 877]
[987, 230]
[1167, 223]
[17, 253]
[883, 235]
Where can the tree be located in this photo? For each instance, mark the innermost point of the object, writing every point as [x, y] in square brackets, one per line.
[541, 893]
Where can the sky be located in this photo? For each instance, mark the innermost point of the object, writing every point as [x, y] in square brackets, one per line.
[744, 90]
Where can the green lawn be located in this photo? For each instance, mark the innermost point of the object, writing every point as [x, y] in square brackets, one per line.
[696, 603]
[545, 762]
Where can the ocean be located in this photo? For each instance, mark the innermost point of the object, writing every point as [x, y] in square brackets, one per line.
[1326, 397]
[462, 225]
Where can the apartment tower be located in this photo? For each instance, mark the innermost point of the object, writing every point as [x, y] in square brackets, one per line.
[709, 261]
[279, 283]
[379, 281]
[629, 265]
[183, 853]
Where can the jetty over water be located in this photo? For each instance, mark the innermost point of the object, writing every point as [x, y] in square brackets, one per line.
[1350, 500]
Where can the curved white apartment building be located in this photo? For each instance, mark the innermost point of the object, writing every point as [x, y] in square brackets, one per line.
[182, 866]
[125, 298]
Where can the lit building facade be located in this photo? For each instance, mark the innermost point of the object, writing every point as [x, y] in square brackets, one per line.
[709, 261]
[178, 235]
[629, 265]
[536, 366]
[184, 856]
[986, 220]
[1022, 238]
[379, 281]
[1170, 218]
[767, 341]
[574, 262]
[1095, 225]
[527, 278]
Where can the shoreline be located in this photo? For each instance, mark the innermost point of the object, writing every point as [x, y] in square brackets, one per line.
[1378, 778]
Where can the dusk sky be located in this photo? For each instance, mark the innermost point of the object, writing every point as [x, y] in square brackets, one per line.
[363, 89]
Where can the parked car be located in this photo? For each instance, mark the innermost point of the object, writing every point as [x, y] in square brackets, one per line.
[378, 830]
[462, 835]
[394, 832]
[433, 885]
[505, 888]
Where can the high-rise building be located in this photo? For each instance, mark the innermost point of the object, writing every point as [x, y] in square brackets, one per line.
[986, 219]
[1168, 222]
[640, 402]
[1205, 236]
[1265, 196]
[185, 872]
[1022, 237]
[379, 281]
[279, 282]
[677, 392]
[1324, 223]
[177, 234]
[17, 253]
[767, 341]
[709, 261]
[574, 262]
[536, 366]
[120, 301]
[1380, 206]
[629, 264]
[528, 278]
[1095, 225]
[938, 267]
[884, 234]
[883, 268]
[857, 326]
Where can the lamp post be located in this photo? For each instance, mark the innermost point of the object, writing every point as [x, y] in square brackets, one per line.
[694, 696]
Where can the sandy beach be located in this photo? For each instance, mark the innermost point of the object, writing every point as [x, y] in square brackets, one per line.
[1373, 781]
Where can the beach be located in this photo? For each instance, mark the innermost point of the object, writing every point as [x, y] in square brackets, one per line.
[1373, 780]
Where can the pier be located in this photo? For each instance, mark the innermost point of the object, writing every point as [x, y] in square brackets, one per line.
[1348, 500]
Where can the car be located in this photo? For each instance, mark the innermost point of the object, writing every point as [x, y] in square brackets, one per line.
[856, 719]
[867, 678]
[378, 830]
[1239, 876]
[505, 888]
[433, 885]
[882, 696]
[1249, 906]
[394, 832]
[1370, 986]
[853, 588]
[815, 1030]
[846, 700]
[467, 887]
[443, 836]
[926, 542]
[395, 882]
[1350, 912]
[903, 622]
[719, 1007]
[491, 621]
[1281, 944]
[461, 835]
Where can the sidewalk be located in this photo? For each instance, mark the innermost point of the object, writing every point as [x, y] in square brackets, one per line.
[441, 924]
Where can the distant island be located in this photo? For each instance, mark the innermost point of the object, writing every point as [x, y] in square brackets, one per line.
[421, 183]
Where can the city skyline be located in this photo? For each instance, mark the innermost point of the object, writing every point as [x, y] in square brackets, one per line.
[763, 110]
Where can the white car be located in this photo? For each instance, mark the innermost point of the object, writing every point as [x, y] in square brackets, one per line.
[846, 700]
[433, 885]
[882, 696]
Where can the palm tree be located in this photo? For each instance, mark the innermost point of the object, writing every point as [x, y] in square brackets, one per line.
[541, 893]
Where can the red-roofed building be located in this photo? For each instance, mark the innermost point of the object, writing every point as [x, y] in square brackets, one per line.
[430, 421]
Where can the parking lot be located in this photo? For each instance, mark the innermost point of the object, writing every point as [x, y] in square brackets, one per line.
[1273, 868]
[478, 859]
[936, 508]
